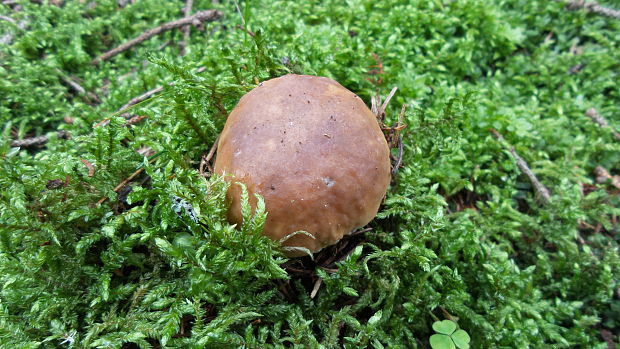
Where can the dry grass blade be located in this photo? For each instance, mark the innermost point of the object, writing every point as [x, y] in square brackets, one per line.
[375, 101]
[387, 101]
[316, 287]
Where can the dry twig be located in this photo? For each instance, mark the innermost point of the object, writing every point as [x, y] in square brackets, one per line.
[205, 160]
[89, 96]
[540, 188]
[144, 151]
[29, 142]
[591, 6]
[377, 107]
[89, 166]
[195, 19]
[8, 37]
[602, 176]
[8, 19]
[187, 29]
[148, 94]
[359, 231]
[399, 140]
[392, 133]
[74, 85]
[600, 120]
[135, 119]
[123, 183]
[399, 159]
[37, 141]
[143, 97]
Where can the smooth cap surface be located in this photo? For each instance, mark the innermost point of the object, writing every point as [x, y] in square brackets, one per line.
[313, 150]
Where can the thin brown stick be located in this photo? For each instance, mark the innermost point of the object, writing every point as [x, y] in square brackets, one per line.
[540, 188]
[74, 85]
[29, 142]
[89, 166]
[399, 140]
[392, 133]
[204, 161]
[591, 6]
[148, 94]
[399, 159]
[37, 141]
[602, 176]
[331, 263]
[135, 119]
[89, 96]
[600, 120]
[359, 231]
[250, 33]
[8, 37]
[187, 29]
[243, 27]
[122, 184]
[143, 97]
[213, 149]
[8, 19]
[195, 19]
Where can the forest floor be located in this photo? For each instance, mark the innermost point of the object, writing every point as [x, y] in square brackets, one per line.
[502, 216]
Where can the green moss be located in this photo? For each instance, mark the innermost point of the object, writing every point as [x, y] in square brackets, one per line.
[461, 235]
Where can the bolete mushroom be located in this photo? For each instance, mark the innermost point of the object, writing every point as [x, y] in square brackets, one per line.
[315, 153]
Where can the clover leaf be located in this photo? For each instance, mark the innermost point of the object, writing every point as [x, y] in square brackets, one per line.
[448, 337]
[445, 327]
[441, 341]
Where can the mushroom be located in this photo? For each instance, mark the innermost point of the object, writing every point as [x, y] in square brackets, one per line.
[316, 154]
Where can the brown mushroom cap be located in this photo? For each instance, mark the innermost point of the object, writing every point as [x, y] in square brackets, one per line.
[313, 150]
